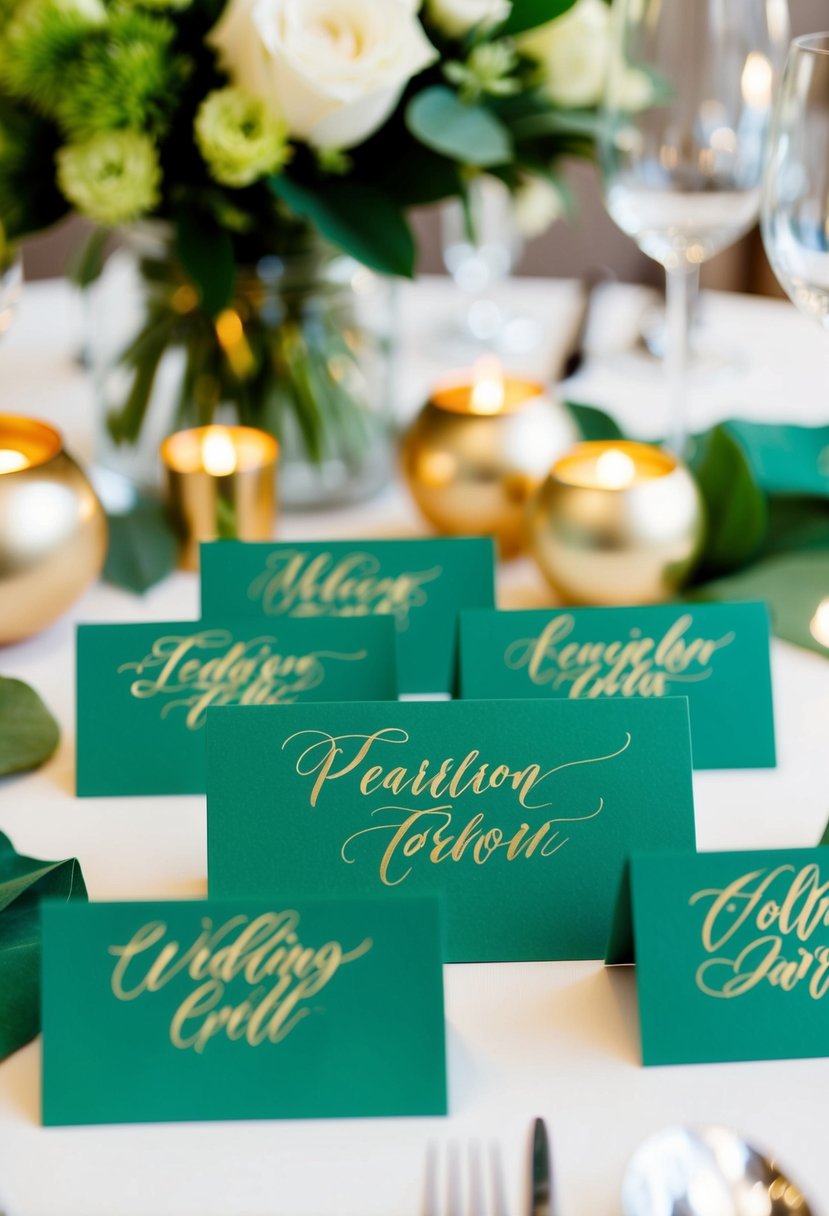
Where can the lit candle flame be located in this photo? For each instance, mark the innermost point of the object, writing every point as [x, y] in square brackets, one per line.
[819, 627]
[615, 470]
[12, 461]
[488, 391]
[218, 455]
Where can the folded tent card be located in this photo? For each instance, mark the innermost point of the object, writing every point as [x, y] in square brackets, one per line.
[520, 813]
[303, 1008]
[143, 691]
[715, 654]
[420, 584]
[731, 953]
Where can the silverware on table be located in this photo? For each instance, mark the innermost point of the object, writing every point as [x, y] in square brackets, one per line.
[464, 1183]
[685, 1171]
[541, 1189]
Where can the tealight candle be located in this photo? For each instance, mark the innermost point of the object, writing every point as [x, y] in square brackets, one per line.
[819, 627]
[53, 533]
[479, 449]
[220, 483]
[617, 523]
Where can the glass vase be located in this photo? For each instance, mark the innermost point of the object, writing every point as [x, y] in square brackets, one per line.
[303, 350]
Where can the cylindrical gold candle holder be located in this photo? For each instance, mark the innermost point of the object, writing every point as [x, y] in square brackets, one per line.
[617, 523]
[479, 449]
[53, 533]
[220, 484]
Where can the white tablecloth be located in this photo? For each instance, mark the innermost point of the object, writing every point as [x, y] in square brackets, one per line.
[556, 1039]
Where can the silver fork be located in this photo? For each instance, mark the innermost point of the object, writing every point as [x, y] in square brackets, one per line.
[464, 1184]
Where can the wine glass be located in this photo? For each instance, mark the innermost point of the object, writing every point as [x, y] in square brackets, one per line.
[795, 210]
[687, 112]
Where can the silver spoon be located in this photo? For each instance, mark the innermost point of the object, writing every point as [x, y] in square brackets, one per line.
[706, 1171]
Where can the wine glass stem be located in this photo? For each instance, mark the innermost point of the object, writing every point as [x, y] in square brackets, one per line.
[682, 289]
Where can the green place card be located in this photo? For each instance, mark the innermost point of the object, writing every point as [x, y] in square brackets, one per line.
[420, 584]
[143, 691]
[520, 813]
[732, 954]
[242, 1010]
[715, 654]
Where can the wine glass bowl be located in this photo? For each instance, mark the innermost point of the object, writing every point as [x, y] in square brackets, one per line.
[682, 153]
[795, 208]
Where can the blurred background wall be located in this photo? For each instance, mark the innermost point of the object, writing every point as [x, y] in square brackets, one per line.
[567, 250]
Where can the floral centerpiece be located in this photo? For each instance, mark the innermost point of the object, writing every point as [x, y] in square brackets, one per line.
[249, 145]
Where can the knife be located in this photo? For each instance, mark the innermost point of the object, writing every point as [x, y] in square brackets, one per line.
[541, 1200]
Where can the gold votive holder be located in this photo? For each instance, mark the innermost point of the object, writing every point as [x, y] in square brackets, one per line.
[53, 532]
[220, 484]
[617, 522]
[478, 450]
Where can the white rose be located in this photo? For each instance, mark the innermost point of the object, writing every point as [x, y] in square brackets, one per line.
[331, 70]
[457, 17]
[573, 51]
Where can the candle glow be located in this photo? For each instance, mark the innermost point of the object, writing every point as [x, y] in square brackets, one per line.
[489, 389]
[615, 470]
[12, 461]
[819, 627]
[218, 453]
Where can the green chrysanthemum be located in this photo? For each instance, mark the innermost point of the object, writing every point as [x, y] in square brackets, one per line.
[112, 178]
[238, 138]
[41, 42]
[125, 76]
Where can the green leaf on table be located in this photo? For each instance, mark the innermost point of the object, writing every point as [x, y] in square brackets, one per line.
[796, 524]
[527, 14]
[205, 250]
[24, 881]
[142, 548]
[792, 584]
[471, 134]
[28, 732]
[735, 505]
[360, 219]
[594, 423]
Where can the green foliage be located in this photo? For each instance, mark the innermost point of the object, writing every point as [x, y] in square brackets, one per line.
[142, 549]
[24, 882]
[28, 732]
[471, 134]
[125, 75]
[29, 197]
[594, 423]
[206, 253]
[361, 219]
[527, 14]
[735, 504]
[40, 45]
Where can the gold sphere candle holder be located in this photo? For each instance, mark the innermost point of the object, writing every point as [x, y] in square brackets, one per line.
[617, 523]
[220, 484]
[53, 532]
[479, 449]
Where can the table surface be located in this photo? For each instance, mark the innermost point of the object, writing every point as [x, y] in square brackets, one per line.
[552, 1039]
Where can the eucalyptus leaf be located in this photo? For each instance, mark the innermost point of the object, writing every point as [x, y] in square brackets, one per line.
[735, 505]
[86, 261]
[24, 881]
[594, 423]
[142, 548]
[471, 134]
[362, 220]
[792, 584]
[28, 732]
[527, 14]
[205, 250]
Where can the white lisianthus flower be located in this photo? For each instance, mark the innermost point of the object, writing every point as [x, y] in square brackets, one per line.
[537, 204]
[457, 17]
[630, 89]
[239, 138]
[332, 70]
[112, 178]
[573, 53]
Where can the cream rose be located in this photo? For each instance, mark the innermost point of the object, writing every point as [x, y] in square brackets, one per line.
[331, 70]
[573, 53]
[457, 17]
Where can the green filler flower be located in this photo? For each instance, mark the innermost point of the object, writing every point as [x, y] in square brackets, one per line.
[239, 138]
[112, 178]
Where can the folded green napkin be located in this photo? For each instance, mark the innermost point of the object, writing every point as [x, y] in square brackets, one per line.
[24, 881]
